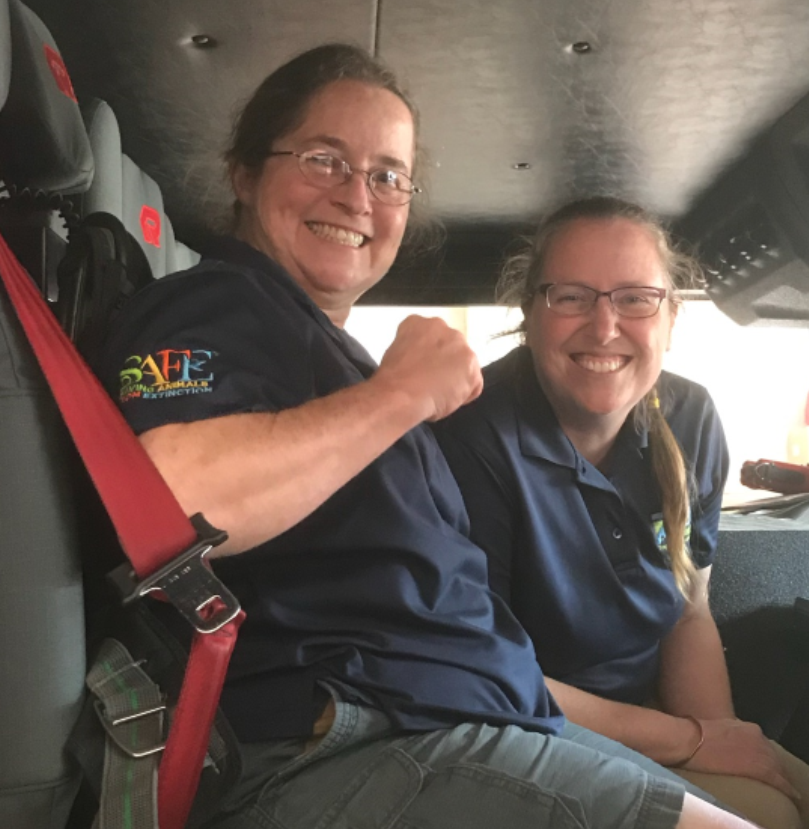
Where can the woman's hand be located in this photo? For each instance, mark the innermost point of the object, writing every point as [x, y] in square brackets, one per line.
[739, 748]
[433, 365]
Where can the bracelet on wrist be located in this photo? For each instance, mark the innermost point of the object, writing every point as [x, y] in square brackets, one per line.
[697, 747]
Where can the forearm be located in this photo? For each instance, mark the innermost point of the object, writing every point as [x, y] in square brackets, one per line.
[662, 737]
[257, 475]
[730, 746]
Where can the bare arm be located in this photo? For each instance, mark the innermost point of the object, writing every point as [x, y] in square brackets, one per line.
[731, 746]
[694, 681]
[693, 676]
[257, 475]
[699, 814]
[664, 738]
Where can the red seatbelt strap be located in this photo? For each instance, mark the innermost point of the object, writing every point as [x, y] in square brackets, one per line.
[165, 552]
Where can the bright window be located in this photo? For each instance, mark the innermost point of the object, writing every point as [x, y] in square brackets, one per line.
[758, 377]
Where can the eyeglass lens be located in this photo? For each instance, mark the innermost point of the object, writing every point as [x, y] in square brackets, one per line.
[571, 300]
[387, 185]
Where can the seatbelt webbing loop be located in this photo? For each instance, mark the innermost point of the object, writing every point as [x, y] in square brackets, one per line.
[131, 708]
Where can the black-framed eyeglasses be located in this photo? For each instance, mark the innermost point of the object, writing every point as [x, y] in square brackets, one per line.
[325, 170]
[570, 300]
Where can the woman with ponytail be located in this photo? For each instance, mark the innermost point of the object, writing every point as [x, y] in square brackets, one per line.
[593, 481]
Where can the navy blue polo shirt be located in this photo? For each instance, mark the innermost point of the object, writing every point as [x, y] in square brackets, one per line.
[379, 591]
[579, 553]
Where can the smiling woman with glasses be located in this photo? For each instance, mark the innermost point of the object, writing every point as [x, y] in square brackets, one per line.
[593, 481]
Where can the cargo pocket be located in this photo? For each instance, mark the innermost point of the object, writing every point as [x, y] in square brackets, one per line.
[377, 798]
[350, 791]
[470, 796]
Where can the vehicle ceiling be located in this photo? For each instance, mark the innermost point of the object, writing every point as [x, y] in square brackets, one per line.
[669, 93]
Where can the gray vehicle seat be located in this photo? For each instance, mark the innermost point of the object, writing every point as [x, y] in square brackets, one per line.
[44, 147]
[49, 516]
[123, 190]
[106, 194]
[45, 156]
[124, 239]
[144, 216]
[179, 256]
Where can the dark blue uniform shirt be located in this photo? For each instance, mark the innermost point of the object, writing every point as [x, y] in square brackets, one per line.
[379, 591]
[579, 554]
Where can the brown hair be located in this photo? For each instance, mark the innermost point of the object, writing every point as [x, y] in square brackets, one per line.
[523, 273]
[280, 104]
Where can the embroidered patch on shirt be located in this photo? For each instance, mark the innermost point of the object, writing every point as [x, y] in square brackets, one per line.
[659, 530]
[167, 373]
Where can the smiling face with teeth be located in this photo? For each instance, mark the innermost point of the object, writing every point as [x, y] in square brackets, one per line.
[335, 243]
[594, 368]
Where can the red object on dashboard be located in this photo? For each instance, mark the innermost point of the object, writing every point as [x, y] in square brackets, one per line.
[776, 476]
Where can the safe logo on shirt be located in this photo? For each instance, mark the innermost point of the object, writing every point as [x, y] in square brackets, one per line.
[167, 373]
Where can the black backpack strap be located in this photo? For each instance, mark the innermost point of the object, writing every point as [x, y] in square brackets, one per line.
[103, 268]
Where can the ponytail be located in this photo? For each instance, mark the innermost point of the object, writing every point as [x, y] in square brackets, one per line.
[671, 474]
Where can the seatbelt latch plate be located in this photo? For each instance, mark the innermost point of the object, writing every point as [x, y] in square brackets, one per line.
[187, 582]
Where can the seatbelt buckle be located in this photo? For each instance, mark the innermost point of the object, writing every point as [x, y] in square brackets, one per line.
[187, 582]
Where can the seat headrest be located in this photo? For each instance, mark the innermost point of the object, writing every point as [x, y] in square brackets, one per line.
[143, 214]
[5, 52]
[121, 189]
[106, 193]
[43, 142]
[179, 257]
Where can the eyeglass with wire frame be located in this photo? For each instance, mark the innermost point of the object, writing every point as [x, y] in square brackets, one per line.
[325, 170]
[571, 300]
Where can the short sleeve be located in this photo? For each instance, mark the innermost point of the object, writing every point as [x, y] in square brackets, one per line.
[206, 343]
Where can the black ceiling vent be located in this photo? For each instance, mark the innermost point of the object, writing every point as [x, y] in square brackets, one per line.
[752, 229]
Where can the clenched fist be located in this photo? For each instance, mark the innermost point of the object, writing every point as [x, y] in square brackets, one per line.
[432, 364]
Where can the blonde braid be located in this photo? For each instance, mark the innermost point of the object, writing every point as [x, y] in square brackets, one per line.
[672, 478]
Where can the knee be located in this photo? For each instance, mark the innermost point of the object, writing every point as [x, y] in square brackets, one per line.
[758, 802]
